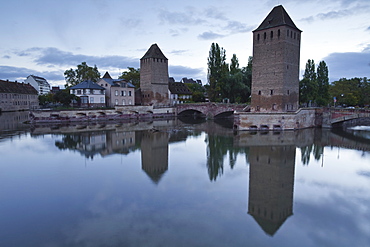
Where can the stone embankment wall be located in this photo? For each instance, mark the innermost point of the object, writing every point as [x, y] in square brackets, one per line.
[119, 113]
[303, 118]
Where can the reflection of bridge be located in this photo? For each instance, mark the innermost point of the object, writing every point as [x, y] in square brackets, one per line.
[333, 116]
[210, 110]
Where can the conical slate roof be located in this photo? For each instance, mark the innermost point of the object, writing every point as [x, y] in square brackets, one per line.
[277, 17]
[154, 52]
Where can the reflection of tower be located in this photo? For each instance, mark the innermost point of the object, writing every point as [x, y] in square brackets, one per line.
[271, 185]
[154, 154]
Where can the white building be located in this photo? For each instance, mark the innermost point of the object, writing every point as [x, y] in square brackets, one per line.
[118, 91]
[39, 83]
[90, 93]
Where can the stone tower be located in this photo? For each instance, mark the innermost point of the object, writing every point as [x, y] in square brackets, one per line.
[154, 77]
[275, 71]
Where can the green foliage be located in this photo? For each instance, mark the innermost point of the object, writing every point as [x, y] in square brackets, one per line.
[217, 72]
[46, 98]
[351, 92]
[82, 73]
[226, 81]
[314, 87]
[197, 92]
[323, 97]
[64, 97]
[132, 76]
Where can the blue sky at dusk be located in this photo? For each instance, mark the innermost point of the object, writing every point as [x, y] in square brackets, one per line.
[47, 37]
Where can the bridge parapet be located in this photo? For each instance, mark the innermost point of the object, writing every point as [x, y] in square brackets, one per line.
[210, 110]
[333, 116]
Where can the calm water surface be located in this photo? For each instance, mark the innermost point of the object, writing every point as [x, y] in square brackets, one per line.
[172, 183]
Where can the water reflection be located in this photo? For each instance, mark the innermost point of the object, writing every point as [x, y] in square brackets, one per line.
[183, 184]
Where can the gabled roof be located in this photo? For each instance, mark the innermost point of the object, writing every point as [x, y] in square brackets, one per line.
[277, 17]
[87, 85]
[15, 87]
[107, 75]
[154, 52]
[178, 88]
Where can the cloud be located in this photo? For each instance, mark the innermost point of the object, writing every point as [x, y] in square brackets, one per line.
[214, 13]
[6, 57]
[179, 72]
[337, 14]
[54, 57]
[20, 74]
[182, 18]
[368, 28]
[178, 52]
[237, 27]
[210, 35]
[348, 64]
[177, 32]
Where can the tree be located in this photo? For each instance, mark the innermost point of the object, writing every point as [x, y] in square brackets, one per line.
[217, 72]
[351, 92]
[323, 97]
[308, 85]
[197, 91]
[82, 73]
[64, 97]
[132, 76]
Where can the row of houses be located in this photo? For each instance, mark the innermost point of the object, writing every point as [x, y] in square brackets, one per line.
[15, 96]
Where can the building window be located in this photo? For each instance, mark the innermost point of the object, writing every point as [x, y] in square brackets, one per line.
[130, 102]
[272, 92]
[116, 92]
[78, 91]
[101, 99]
[259, 92]
[271, 34]
[124, 92]
[91, 99]
[123, 102]
[101, 91]
[129, 93]
[116, 102]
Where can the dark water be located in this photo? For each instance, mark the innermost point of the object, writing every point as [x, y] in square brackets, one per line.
[174, 183]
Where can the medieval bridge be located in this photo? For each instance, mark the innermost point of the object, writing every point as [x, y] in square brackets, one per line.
[209, 110]
[345, 117]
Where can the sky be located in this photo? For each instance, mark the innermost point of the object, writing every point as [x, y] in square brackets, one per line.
[47, 37]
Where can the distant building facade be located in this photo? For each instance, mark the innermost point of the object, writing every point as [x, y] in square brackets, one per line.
[16, 96]
[154, 78]
[179, 92]
[275, 72]
[118, 92]
[90, 93]
[39, 83]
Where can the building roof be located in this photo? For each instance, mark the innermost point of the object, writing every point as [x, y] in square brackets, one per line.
[87, 85]
[154, 52]
[116, 82]
[15, 87]
[107, 75]
[178, 88]
[277, 17]
[38, 79]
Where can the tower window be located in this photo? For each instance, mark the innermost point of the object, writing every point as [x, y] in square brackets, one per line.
[264, 35]
[279, 33]
[258, 36]
[287, 33]
[294, 35]
[271, 92]
[288, 92]
[272, 34]
[259, 92]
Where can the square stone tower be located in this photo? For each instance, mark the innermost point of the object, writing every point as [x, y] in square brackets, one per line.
[275, 69]
[154, 77]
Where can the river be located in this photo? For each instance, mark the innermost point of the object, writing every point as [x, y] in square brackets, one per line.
[181, 182]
